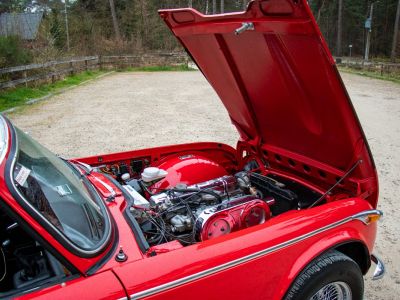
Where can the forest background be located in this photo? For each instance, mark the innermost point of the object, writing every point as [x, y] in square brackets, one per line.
[113, 27]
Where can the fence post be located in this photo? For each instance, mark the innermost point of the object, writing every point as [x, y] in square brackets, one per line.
[24, 75]
[86, 65]
[71, 66]
[53, 76]
[100, 62]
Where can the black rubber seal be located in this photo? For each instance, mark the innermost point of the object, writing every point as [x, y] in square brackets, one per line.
[36, 215]
[137, 231]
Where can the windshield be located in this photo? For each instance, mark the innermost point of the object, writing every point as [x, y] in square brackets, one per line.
[57, 191]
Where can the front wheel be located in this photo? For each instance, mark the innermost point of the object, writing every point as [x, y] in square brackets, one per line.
[332, 276]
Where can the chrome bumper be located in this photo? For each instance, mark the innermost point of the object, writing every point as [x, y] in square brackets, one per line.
[379, 271]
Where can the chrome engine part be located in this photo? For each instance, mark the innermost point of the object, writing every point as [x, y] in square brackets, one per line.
[223, 186]
[239, 213]
[181, 223]
[202, 211]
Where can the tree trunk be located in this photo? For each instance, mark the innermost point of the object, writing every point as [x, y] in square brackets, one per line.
[339, 29]
[319, 11]
[66, 24]
[395, 34]
[190, 3]
[207, 7]
[115, 21]
[244, 4]
[214, 8]
[222, 6]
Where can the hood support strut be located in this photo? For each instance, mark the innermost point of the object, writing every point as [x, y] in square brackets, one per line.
[336, 184]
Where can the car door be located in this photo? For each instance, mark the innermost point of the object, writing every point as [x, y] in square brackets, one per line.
[98, 286]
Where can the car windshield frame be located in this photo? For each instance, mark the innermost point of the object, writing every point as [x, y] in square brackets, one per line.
[75, 191]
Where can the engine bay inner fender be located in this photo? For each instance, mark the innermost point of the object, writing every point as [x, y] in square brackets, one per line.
[187, 169]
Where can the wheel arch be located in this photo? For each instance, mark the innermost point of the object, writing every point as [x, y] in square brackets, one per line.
[331, 267]
[358, 252]
[354, 248]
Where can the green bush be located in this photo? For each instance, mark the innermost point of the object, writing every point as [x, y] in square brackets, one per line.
[12, 52]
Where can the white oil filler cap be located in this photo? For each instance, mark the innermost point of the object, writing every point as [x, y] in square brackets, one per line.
[152, 174]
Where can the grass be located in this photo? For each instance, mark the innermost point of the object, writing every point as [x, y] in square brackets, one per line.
[20, 95]
[377, 75]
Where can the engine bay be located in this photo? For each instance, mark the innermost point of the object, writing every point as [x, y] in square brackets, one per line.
[190, 199]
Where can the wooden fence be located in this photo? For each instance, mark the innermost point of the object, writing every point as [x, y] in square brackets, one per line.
[391, 69]
[55, 70]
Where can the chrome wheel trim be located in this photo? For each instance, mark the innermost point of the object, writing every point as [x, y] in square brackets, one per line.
[337, 290]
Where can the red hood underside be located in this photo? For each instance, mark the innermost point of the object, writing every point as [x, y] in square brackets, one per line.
[278, 82]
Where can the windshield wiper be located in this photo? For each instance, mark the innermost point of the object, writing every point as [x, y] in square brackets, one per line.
[88, 169]
[108, 188]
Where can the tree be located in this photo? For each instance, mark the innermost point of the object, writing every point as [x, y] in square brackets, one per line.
[95, 25]
[57, 29]
[339, 30]
[115, 21]
[14, 6]
[395, 34]
[12, 53]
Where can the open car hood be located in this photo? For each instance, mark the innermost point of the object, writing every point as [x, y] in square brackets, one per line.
[279, 83]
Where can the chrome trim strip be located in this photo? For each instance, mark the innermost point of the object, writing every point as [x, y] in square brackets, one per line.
[236, 262]
[362, 215]
[3, 138]
[380, 270]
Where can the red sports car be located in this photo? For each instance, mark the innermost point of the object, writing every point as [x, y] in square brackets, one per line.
[289, 214]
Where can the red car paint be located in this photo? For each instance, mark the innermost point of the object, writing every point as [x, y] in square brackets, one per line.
[181, 170]
[280, 86]
[283, 92]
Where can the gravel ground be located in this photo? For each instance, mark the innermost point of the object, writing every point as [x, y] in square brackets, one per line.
[125, 111]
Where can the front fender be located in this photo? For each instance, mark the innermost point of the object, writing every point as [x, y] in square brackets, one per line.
[355, 232]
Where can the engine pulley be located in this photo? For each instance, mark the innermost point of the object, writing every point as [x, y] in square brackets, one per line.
[220, 220]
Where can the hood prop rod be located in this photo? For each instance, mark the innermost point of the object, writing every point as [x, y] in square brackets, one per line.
[336, 184]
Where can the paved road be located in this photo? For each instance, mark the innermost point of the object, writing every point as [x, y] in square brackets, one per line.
[134, 110]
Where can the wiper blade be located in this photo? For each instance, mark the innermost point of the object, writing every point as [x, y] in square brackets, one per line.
[109, 189]
[88, 169]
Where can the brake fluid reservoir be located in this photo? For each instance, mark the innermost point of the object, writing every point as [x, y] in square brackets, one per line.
[152, 174]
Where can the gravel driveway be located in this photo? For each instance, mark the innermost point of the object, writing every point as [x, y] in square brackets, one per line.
[124, 111]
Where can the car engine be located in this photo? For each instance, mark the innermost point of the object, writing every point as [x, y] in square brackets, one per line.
[190, 199]
[203, 211]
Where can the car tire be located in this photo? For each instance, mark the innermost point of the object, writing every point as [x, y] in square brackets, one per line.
[332, 275]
